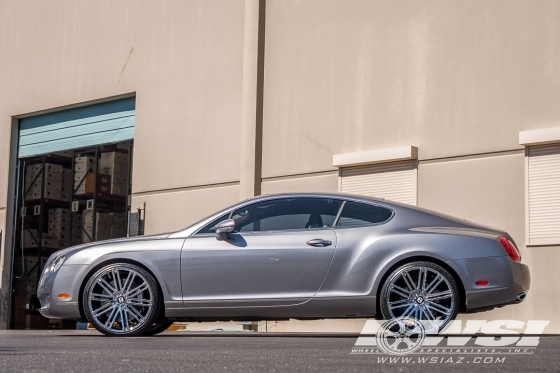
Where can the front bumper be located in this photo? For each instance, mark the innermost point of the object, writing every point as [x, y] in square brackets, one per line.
[66, 280]
[509, 282]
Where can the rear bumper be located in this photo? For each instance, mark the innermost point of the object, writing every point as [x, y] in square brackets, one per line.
[509, 282]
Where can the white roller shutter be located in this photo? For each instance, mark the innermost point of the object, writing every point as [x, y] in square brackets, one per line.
[543, 194]
[393, 181]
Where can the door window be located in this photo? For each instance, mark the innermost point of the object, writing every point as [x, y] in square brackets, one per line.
[287, 214]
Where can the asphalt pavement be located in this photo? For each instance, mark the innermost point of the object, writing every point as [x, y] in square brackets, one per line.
[89, 351]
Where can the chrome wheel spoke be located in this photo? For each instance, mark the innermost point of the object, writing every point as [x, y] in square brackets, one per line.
[106, 286]
[440, 295]
[137, 315]
[137, 290]
[140, 302]
[408, 311]
[126, 281]
[112, 317]
[395, 289]
[430, 316]
[439, 308]
[127, 289]
[101, 295]
[431, 320]
[398, 304]
[403, 291]
[421, 279]
[124, 319]
[117, 280]
[100, 299]
[418, 313]
[103, 309]
[408, 280]
[432, 286]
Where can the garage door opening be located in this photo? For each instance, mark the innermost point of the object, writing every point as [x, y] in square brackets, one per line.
[77, 190]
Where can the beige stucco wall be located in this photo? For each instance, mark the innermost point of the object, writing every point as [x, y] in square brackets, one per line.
[171, 211]
[452, 78]
[183, 59]
[324, 183]
[5, 136]
[486, 190]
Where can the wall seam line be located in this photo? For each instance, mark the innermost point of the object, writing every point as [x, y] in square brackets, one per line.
[182, 189]
[471, 156]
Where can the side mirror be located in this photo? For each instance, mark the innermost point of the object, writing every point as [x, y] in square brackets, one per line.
[223, 228]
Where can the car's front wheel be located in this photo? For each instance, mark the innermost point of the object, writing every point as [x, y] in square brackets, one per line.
[121, 299]
[421, 290]
[158, 327]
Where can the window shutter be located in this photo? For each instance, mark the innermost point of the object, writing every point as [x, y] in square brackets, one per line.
[77, 128]
[543, 194]
[393, 181]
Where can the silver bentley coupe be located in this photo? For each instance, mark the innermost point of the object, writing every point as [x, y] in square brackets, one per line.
[276, 257]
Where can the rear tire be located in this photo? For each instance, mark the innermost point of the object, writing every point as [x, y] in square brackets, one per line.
[421, 290]
[122, 299]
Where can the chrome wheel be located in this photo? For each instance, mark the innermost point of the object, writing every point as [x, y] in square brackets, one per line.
[121, 299]
[423, 291]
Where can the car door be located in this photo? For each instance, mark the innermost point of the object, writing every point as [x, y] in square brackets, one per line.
[279, 254]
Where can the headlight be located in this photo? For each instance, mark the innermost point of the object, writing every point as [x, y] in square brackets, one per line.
[57, 263]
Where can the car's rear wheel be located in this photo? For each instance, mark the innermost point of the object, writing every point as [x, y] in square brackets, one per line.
[121, 299]
[421, 290]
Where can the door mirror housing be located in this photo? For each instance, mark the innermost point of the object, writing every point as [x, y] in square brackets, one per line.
[224, 228]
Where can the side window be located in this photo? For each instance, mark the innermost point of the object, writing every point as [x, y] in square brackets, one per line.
[287, 214]
[211, 227]
[357, 214]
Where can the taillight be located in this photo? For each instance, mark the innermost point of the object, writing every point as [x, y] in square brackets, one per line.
[510, 249]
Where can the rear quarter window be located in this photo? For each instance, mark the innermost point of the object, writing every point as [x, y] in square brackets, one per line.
[355, 214]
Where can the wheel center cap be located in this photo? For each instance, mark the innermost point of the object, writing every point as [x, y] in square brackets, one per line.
[420, 300]
[120, 300]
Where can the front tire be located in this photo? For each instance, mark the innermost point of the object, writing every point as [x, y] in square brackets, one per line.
[158, 327]
[421, 290]
[121, 299]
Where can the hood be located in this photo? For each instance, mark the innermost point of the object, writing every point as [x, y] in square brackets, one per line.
[77, 248]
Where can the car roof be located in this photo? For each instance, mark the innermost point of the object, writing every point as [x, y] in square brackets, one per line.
[380, 201]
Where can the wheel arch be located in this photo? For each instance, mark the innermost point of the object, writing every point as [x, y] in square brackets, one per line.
[108, 261]
[388, 270]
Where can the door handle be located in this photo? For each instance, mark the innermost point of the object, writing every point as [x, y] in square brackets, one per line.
[318, 242]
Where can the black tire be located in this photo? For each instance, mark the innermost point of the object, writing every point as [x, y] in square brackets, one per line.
[158, 327]
[434, 297]
[122, 299]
